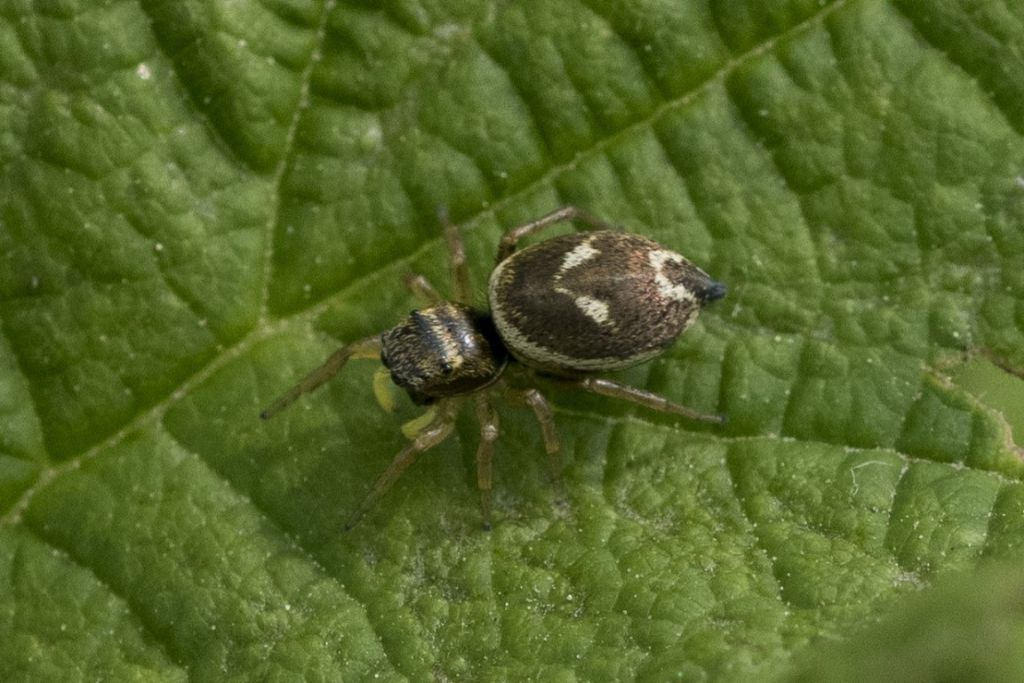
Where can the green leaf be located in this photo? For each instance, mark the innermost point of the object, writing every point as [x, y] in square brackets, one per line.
[967, 629]
[200, 200]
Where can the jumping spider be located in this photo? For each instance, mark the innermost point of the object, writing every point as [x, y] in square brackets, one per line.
[565, 308]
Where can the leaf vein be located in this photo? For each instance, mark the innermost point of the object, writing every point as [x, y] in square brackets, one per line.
[149, 633]
[990, 89]
[294, 543]
[601, 145]
[273, 215]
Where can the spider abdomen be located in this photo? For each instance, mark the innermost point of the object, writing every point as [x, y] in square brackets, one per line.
[595, 301]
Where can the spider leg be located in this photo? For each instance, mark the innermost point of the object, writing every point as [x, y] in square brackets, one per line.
[431, 435]
[364, 348]
[607, 387]
[489, 429]
[456, 257]
[421, 288]
[546, 419]
[510, 239]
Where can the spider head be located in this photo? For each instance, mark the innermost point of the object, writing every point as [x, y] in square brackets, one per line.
[445, 350]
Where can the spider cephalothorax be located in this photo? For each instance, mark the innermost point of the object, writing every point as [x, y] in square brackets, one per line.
[445, 350]
[567, 307]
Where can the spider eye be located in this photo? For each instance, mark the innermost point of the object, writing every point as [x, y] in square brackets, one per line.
[446, 367]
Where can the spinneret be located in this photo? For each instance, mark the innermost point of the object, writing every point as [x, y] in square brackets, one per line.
[566, 307]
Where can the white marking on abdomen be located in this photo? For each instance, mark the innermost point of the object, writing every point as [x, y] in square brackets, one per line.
[667, 288]
[581, 253]
[595, 309]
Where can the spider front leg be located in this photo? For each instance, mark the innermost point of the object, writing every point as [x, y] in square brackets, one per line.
[607, 387]
[510, 239]
[368, 348]
[421, 288]
[431, 435]
[456, 257]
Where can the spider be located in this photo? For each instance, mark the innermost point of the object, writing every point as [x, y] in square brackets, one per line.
[564, 308]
